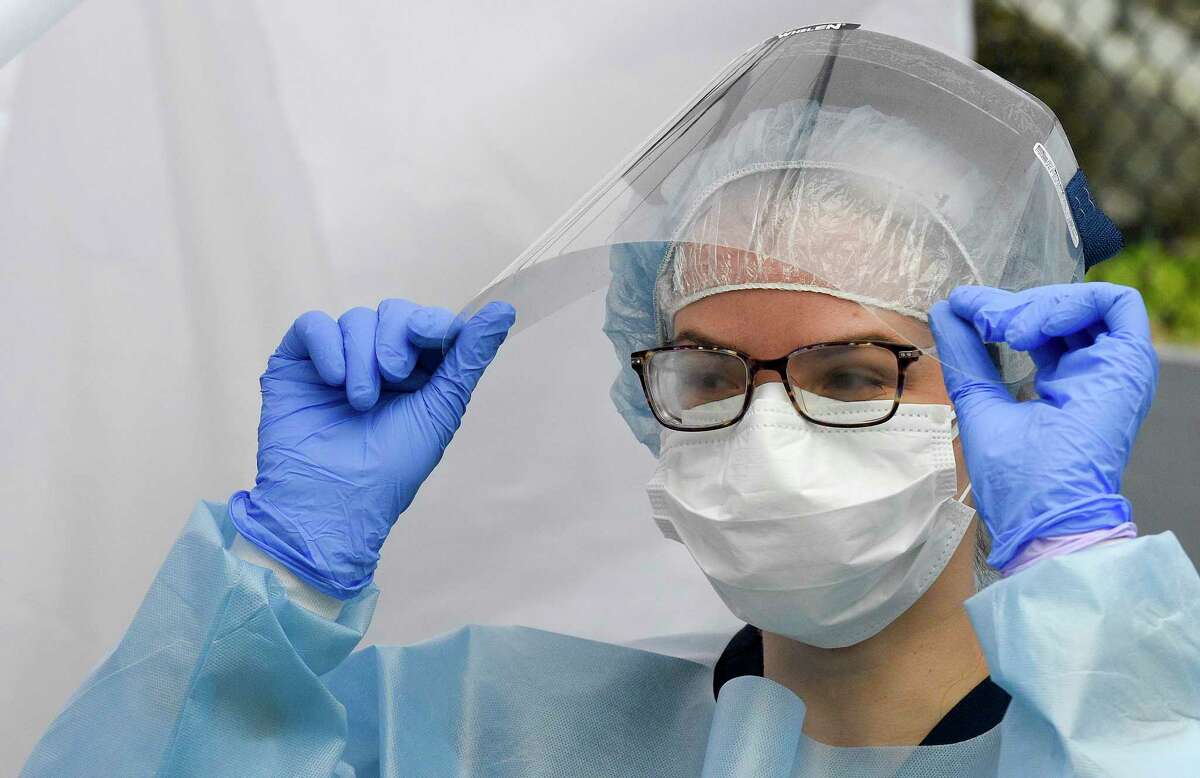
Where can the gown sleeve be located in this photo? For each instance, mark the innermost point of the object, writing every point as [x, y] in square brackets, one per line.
[1100, 650]
[220, 673]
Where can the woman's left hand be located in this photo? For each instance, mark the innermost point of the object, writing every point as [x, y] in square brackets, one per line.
[1048, 467]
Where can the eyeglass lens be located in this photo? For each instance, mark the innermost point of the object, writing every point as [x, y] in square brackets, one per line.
[844, 384]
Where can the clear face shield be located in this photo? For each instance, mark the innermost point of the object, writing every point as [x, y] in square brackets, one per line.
[838, 161]
[833, 163]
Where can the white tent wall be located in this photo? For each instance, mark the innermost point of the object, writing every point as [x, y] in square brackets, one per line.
[22, 21]
[178, 181]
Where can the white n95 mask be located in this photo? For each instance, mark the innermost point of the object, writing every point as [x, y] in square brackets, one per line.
[822, 534]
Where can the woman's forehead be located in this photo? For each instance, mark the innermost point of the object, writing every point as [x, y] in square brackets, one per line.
[771, 322]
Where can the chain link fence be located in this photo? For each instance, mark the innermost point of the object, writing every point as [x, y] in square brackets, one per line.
[1124, 78]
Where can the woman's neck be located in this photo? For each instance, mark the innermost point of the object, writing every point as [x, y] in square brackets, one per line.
[893, 688]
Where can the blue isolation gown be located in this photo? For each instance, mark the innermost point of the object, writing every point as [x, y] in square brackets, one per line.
[221, 673]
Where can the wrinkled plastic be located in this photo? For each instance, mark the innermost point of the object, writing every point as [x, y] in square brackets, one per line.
[835, 160]
[221, 674]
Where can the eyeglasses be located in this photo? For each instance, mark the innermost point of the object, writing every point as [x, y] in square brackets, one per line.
[838, 384]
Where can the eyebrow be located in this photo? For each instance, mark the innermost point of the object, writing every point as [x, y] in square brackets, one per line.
[699, 339]
[691, 336]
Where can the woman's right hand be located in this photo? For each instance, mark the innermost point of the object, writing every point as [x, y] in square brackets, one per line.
[355, 415]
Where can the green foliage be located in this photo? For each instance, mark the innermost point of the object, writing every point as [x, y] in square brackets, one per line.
[1169, 280]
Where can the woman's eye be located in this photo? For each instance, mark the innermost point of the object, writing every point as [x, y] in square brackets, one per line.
[712, 381]
[853, 381]
[706, 387]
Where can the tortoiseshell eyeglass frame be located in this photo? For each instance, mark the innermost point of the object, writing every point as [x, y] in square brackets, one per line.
[905, 355]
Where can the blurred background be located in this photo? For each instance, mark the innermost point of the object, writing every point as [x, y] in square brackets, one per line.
[178, 181]
[1123, 76]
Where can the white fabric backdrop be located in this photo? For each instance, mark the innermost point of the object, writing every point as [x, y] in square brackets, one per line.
[179, 180]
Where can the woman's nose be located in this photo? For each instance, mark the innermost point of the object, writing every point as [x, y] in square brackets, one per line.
[767, 377]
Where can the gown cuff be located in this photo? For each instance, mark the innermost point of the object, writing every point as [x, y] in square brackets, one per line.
[298, 591]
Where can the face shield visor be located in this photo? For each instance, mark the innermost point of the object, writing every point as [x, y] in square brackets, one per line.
[839, 161]
[831, 160]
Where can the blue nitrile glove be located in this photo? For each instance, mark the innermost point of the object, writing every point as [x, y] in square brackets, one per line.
[355, 415]
[1048, 467]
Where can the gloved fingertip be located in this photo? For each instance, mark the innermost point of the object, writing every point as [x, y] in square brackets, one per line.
[480, 340]
[432, 328]
[395, 362]
[950, 329]
[1026, 330]
[1024, 340]
[940, 316]
[331, 365]
[500, 313]
[966, 300]
[394, 353]
[939, 311]
[430, 322]
[1073, 308]
[362, 397]
[965, 363]
[490, 327]
[418, 321]
[320, 340]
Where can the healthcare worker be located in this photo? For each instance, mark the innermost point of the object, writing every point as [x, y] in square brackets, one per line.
[842, 289]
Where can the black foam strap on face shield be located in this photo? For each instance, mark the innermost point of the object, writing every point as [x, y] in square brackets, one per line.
[1099, 235]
